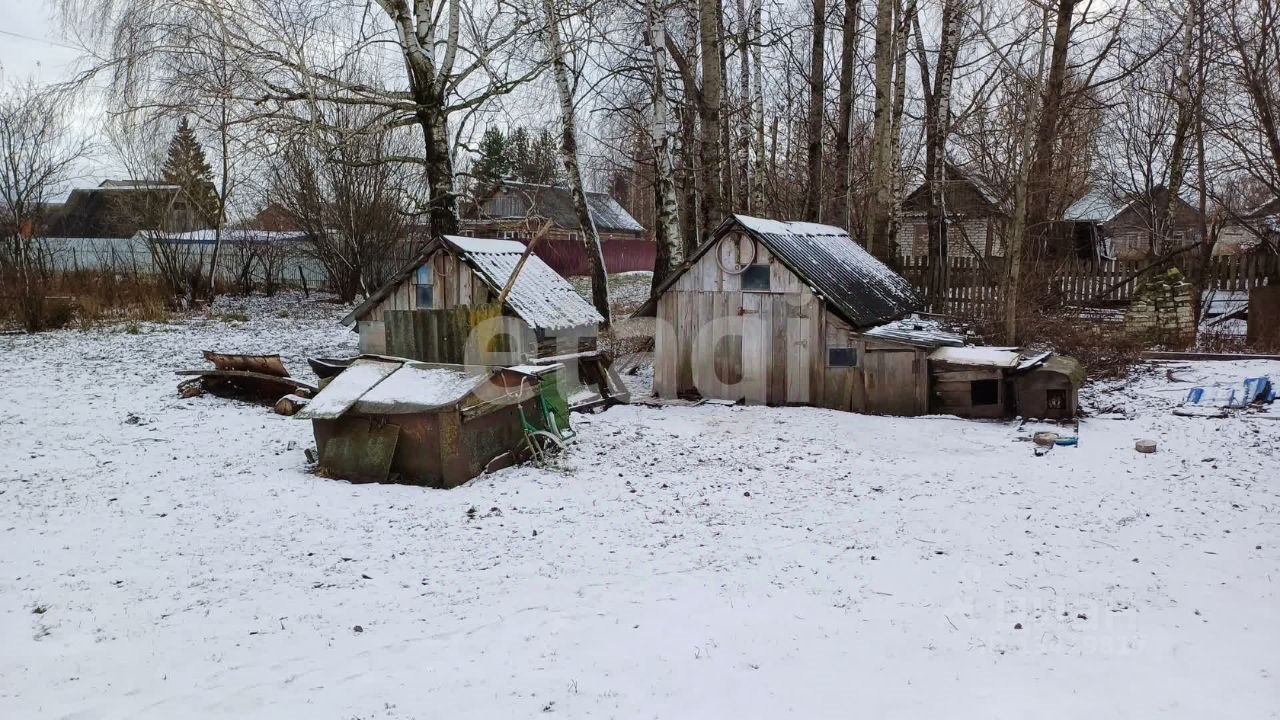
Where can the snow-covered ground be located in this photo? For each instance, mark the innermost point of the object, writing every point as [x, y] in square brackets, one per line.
[165, 558]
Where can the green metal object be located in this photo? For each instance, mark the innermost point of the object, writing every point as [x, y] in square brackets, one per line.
[547, 435]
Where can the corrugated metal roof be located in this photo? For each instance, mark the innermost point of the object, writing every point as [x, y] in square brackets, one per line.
[915, 331]
[1095, 206]
[540, 296]
[860, 288]
[556, 203]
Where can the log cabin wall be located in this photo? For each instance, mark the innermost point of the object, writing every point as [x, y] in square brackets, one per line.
[722, 335]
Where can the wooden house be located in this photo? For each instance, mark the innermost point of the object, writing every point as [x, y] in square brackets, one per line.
[1048, 388]
[1255, 231]
[1103, 225]
[430, 309]
[122, 208]
[976, 221]
[972, 381]
[517, 211]
[781, 313]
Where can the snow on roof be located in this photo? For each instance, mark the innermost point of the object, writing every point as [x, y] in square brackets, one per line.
[556, 203]
[414, 388]
[1266, 209]
[861, 288]
[1095, 206]
[484, 245]
[207, 237]
[540, 296]
[344, 390]
[983, 356]
[916, 331]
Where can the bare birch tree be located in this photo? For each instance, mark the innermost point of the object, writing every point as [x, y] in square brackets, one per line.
[569, 154]
[670, 250]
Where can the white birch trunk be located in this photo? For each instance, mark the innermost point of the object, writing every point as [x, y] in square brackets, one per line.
[670, 251]
[573, 173]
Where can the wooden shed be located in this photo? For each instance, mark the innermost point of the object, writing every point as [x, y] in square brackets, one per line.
[776, 313]
[994, 382]
[430, 309]
[421, 423]
[1048, 387]
[972, 381]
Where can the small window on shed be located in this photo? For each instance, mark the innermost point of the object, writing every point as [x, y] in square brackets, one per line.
[423, 287]
[755, 278]
[984, 392]
[842, 357]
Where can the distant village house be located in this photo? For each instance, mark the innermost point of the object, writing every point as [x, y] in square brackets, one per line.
[517, 211]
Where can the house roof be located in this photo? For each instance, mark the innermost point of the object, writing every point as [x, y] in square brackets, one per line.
[915, 331]
[1270, 207]
[1100, 206]
[207, 237]
[540, 296]
[964, 191]
[1095, 206]
[555, 203]
[380, 385]
[111, 210]
[860, 289]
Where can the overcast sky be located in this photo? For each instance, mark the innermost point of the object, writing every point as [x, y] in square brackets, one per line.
[31, 44]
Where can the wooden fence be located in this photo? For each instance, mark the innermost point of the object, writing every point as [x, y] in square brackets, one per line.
[974, 286]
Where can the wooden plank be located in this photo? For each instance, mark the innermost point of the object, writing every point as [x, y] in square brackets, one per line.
[757, 345]
[702, 359]
[962, 376]
[817, 333]
[799, 349]
[665, 350]
[1158, 355]
[777, 329]
[730, 308]
[858, 393]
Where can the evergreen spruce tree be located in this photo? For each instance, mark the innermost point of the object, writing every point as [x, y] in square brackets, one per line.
[519, 152]
[188, 168]
[494, 163]
[544, 163]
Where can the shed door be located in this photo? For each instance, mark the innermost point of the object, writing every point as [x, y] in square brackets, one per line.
[891, 382]
[757, 347]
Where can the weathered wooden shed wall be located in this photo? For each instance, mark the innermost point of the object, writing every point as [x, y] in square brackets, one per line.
[1045, 395]
[954, 394]
[456, 285]
[771, 347]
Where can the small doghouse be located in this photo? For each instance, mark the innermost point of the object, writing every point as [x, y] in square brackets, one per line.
[992, 382]
[1049, 390]
[971, 381]
[428, 424]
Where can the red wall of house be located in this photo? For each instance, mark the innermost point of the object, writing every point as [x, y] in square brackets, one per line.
[621, 254]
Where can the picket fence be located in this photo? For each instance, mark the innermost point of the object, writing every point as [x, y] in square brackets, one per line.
[974, 286]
